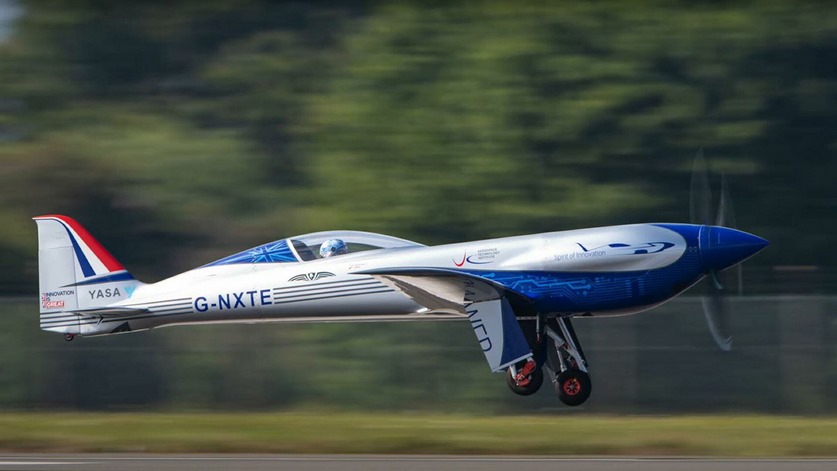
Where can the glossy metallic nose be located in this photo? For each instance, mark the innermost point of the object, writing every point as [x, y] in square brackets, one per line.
[722, 247]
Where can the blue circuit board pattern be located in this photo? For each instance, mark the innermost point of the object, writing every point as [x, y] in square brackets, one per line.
[591, 292]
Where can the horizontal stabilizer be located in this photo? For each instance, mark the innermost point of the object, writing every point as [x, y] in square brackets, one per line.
[112, 311]
[69, 322]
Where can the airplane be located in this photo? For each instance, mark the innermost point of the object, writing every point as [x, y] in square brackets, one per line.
[519, 294]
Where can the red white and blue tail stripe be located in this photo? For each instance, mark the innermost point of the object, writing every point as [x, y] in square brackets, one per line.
[76, 276]
[93, 263]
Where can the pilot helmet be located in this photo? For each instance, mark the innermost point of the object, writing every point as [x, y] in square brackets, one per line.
[333, 247]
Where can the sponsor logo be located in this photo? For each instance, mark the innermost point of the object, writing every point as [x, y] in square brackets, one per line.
[311, 276]
[482, 257]
[104, 293]
[614, 249]
[48, 303]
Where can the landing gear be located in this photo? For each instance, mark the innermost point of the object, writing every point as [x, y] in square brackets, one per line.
[69, 337]
[566, 362]
[525, 380]
[555, 347]
[573, 387]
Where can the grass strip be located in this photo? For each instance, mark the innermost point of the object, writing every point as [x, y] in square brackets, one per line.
[287, 432]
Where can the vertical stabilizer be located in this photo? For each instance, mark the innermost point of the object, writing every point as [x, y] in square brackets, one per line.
[75, 273]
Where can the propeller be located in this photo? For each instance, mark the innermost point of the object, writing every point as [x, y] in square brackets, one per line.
[715, 305]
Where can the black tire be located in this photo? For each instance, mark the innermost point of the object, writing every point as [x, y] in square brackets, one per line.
[573, 387]
[535, 382]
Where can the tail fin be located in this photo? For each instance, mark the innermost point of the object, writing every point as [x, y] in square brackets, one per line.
[75, 272]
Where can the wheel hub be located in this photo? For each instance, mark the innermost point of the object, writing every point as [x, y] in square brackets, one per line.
[571, 387]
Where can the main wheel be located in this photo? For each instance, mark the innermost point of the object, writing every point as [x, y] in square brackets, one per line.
[573, 387]
[535, 382]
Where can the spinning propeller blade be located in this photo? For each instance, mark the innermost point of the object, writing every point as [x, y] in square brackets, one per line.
[715, 310]
[726, 218]
[715, 306]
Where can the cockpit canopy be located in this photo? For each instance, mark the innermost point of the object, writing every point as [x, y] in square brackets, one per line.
[306, 247]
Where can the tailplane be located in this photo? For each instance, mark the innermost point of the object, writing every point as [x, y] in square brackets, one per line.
[75, 274]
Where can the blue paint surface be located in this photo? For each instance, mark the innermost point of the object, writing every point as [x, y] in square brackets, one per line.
[577, 292]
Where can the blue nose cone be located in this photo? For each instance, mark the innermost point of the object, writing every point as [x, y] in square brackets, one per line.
[722, 247]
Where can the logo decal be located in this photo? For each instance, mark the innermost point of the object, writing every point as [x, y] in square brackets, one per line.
[48, 303]
[627, 249]
[311, 276]
[482, 257]
[104, 293]
[129, 290]
[477, 261]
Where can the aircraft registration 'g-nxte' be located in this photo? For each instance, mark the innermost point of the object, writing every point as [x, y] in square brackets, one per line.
[518, 293]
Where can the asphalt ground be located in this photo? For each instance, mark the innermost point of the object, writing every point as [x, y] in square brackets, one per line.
[132, 462]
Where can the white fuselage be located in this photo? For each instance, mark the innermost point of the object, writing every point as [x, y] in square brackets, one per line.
[331, 288]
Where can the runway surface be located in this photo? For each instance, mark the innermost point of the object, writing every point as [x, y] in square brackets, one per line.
[132, 462]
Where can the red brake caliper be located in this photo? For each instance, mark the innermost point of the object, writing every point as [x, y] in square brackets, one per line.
[522, 378]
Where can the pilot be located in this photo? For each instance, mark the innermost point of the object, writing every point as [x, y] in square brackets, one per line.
[333, 247]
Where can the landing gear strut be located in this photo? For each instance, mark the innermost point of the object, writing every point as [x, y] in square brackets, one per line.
[566, 362]
[556, 347]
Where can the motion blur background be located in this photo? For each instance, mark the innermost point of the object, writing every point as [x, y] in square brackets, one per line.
[180, 132]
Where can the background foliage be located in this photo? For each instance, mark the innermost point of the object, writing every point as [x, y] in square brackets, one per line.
[179, 132]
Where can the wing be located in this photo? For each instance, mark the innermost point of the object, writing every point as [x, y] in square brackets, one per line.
[439, 289]
[482, 301]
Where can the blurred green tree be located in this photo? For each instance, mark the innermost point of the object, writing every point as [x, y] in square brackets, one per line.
[187, 131]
